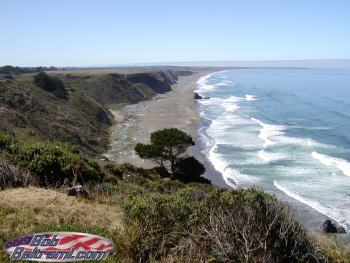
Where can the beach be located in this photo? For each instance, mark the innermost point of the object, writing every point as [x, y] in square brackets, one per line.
[136, 122]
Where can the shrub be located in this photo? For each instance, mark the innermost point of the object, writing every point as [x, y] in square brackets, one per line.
[53, 164]
[11, 177]
[51, 84]
[196, 225]
[5, 141]
[114, 171]
[165, 186]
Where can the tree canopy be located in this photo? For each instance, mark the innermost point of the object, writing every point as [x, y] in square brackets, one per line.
[168, 149]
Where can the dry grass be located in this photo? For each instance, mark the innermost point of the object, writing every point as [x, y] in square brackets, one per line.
[58, 208]
[337, 250]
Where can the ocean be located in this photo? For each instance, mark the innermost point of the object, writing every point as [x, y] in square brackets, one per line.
[286, 131]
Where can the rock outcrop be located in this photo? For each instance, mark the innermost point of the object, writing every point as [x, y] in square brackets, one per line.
[329, 227]
[199, 97]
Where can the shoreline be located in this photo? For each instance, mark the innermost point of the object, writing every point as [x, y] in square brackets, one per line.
[308, 216]
[137, 121]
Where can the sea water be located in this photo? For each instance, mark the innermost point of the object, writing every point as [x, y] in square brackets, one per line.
[284, 130]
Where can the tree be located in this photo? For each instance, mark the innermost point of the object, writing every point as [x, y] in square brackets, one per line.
[167, 149]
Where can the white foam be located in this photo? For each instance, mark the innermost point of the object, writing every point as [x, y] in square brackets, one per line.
[327, 211]
[268, 131]
[231, 176]
[230, 104]
[339, 163]
[202, 83]
[269, 157]
[221, 165]
[274, 134]
[250, 97]
[211, 101]
[224, 83]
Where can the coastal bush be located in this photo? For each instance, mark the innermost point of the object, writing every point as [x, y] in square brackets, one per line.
[165, 186]
[197, 225]
[53, 164]
[5, 141]
[10, 176]
[114, 171]
[51, 84]
[167, 149]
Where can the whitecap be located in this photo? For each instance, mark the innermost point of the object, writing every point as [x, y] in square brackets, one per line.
[202, 83]
[274, 134]
[250, 97]
[268, 131]
[269, 157]
[339, 163]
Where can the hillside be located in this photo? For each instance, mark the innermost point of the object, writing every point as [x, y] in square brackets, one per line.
[167, 221]
[78, 115]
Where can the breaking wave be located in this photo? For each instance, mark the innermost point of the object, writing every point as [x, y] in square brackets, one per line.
[339, 163]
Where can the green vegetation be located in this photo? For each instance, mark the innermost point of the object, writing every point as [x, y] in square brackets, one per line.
[72, 108]
[50, 164]
[51, 84]
[151, 219]
[210, 225]
[21, 70]
[167, 149]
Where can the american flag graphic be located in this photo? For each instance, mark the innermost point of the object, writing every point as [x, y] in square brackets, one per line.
[67, 241]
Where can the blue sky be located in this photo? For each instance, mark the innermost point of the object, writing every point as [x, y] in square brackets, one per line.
[107, 32]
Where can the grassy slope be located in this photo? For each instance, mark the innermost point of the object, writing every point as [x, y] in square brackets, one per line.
[29, 112]
[105, 213]
[30, 210]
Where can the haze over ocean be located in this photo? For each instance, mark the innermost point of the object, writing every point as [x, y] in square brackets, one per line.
[283, 130]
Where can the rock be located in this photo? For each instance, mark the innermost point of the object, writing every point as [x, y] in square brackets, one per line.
[330, 227]
[78, 191]
[199, 97]
[341, 230]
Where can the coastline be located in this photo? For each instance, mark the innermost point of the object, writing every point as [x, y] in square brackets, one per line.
[308, 216]
[177, 108]
[136, 122]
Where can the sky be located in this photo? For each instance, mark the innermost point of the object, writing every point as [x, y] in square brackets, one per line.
[113, 32]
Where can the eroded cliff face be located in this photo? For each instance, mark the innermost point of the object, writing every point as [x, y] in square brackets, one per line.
[116, 88]
[83, 118]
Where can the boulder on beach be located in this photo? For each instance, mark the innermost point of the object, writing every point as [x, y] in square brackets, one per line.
[329, 227]
[199, 97]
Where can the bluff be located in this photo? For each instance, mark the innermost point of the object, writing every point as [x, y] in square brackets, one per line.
[35, 111]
